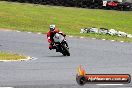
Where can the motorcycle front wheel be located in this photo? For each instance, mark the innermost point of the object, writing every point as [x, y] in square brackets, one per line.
[65, 51]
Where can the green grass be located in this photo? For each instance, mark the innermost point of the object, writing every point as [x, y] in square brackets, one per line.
[9, 56]
[37, 18]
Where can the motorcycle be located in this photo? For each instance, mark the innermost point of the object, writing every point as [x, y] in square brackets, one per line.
[61, 44]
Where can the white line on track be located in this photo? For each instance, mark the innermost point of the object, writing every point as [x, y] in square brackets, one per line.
[18, 31]
[109, 84]
[112, 40]
[7, 30]
[121, 41]
[34, 58]
[29, 32]
[93, 38]
[81, 37]
[39, 33]
[6, 87]
[70, 36]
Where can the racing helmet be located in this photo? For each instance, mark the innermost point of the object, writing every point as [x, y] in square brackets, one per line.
[52, 28]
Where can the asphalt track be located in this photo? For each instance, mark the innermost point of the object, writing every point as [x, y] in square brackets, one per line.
[52, 70]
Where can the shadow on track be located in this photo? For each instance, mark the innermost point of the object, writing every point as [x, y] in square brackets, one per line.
[56, 56]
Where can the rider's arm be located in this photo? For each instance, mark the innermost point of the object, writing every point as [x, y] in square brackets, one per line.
[62, 33]
[48, 37]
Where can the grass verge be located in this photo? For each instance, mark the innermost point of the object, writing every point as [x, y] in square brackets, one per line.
[37, 18]
[10, 57]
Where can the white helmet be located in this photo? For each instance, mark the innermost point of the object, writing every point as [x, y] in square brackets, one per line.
[52, 27]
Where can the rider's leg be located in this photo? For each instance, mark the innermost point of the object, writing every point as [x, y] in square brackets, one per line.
[51, 46]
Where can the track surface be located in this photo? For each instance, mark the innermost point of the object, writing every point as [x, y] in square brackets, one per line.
[52, 70]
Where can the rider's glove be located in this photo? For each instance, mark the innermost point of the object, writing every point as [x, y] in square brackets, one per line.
[64, 35]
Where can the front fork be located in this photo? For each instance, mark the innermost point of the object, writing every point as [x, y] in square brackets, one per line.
[66, 43]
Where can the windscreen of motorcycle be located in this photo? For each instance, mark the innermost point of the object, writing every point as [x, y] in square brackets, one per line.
[58, 38]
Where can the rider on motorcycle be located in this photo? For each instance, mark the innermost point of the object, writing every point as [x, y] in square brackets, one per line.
[53, 30]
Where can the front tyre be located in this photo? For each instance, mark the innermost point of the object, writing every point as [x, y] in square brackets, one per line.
[65, 50]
